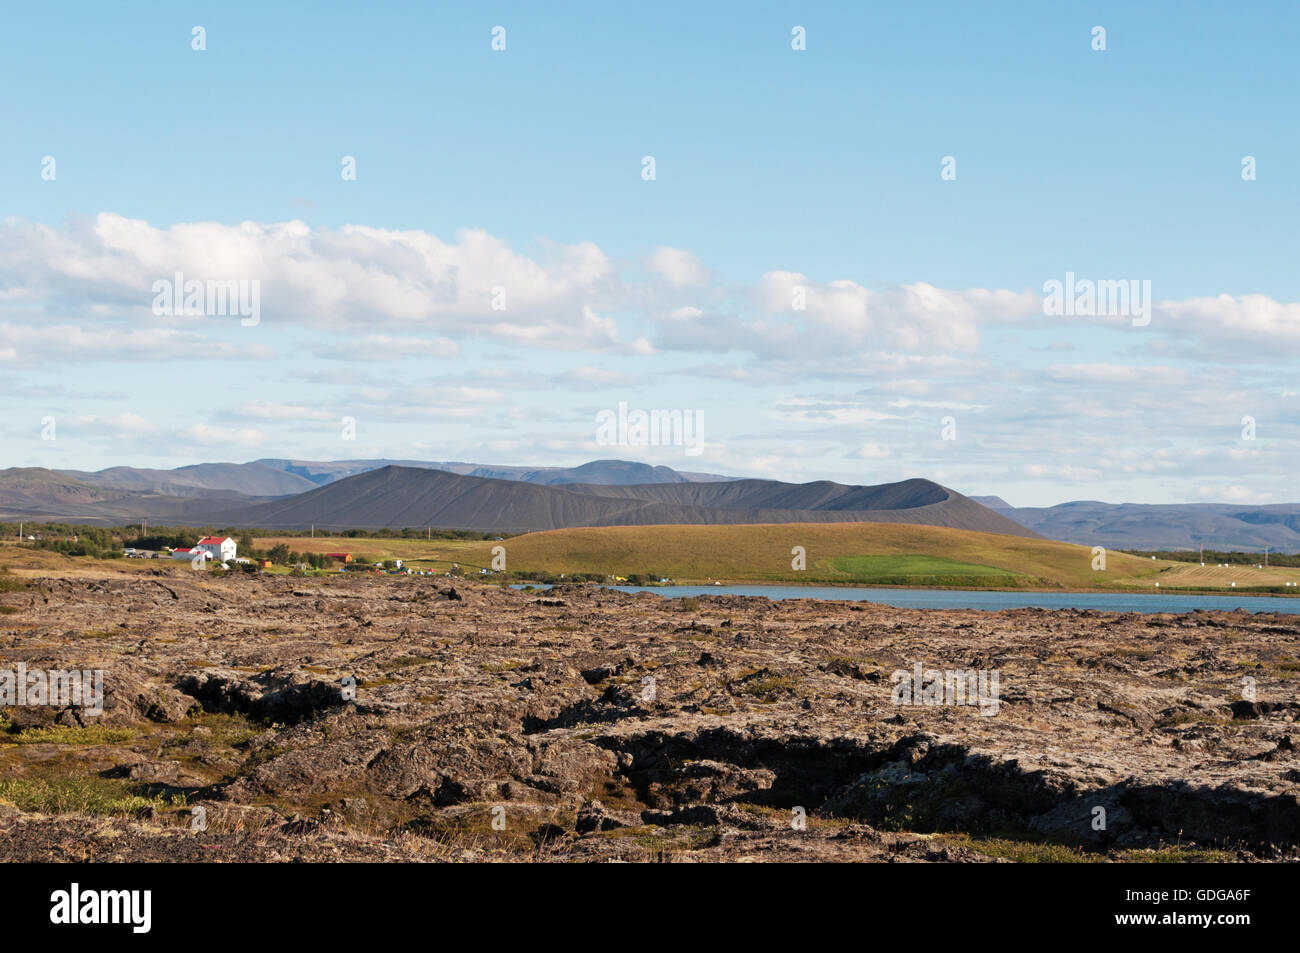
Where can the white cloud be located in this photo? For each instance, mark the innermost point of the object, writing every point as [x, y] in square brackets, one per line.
[67, 341]
[595, 376]
[1246, 321]
[1233, 494]
[381, 347]
[208, 435]
[352, 278]
[1065, 472]
[124, 423]
[1120, 374]
[870, 451]
[414, 292]
[272, 411]
[678, 267]
[804, 410]
[915, 318]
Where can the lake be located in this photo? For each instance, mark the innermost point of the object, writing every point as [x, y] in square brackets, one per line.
[989, 600]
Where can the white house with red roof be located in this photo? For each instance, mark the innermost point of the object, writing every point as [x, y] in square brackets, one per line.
[220, 548]
[191, 554]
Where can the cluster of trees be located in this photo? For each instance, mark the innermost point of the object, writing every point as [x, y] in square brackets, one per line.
[159, 537]
[74, 540]
[407, 533]
[637, 579]
[162, 539]
[555, 579]
[104, 543]
[245, 537]
[281, 555]
[410, 533]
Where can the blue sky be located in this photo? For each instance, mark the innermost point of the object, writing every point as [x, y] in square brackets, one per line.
[775, 168]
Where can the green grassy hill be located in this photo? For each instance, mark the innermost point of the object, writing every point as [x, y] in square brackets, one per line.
[848, 553]
[885, 554]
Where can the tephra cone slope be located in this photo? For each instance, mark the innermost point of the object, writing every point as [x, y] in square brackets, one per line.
[398, 497]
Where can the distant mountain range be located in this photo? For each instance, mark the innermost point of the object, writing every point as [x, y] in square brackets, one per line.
[404, 496]
[1175, 526]
[279, 477]
[369, 494]
[357, 494]
[133, 493]
[259, 478]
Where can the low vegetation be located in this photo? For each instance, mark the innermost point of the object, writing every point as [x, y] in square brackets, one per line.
[881, 554]
[834, 553]
[68, 735]
[83, 795]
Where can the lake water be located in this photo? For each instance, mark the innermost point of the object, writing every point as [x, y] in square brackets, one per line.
[991, 601]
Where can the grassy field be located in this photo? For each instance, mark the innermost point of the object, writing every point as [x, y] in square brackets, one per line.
[835, 553]
[436, 554]
[1196, 576]
[848, 553]
[918, 570]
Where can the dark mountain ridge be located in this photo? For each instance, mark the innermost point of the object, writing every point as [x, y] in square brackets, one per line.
[397, 497]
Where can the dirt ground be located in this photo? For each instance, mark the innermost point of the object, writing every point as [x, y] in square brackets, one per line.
[257, 717]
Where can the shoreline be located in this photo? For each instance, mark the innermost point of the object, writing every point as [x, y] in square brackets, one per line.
[1062, 590]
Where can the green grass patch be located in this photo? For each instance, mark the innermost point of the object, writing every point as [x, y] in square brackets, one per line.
[1043, 851]
[81, 795]
[1022, 851]
[70, 735]
[763, 684]
[1182, 718]
[1175, 854]
[406, 661]
[916, 569]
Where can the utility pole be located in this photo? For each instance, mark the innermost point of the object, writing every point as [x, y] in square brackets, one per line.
[1265, 555]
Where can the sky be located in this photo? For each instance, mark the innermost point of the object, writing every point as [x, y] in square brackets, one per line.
[470, 229]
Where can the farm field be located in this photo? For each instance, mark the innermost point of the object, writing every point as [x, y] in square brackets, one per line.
[836, 553]
[886, 554]
[854, 554]
[1193, 575]
[850, 553]
[845, 553]
[436, 554]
